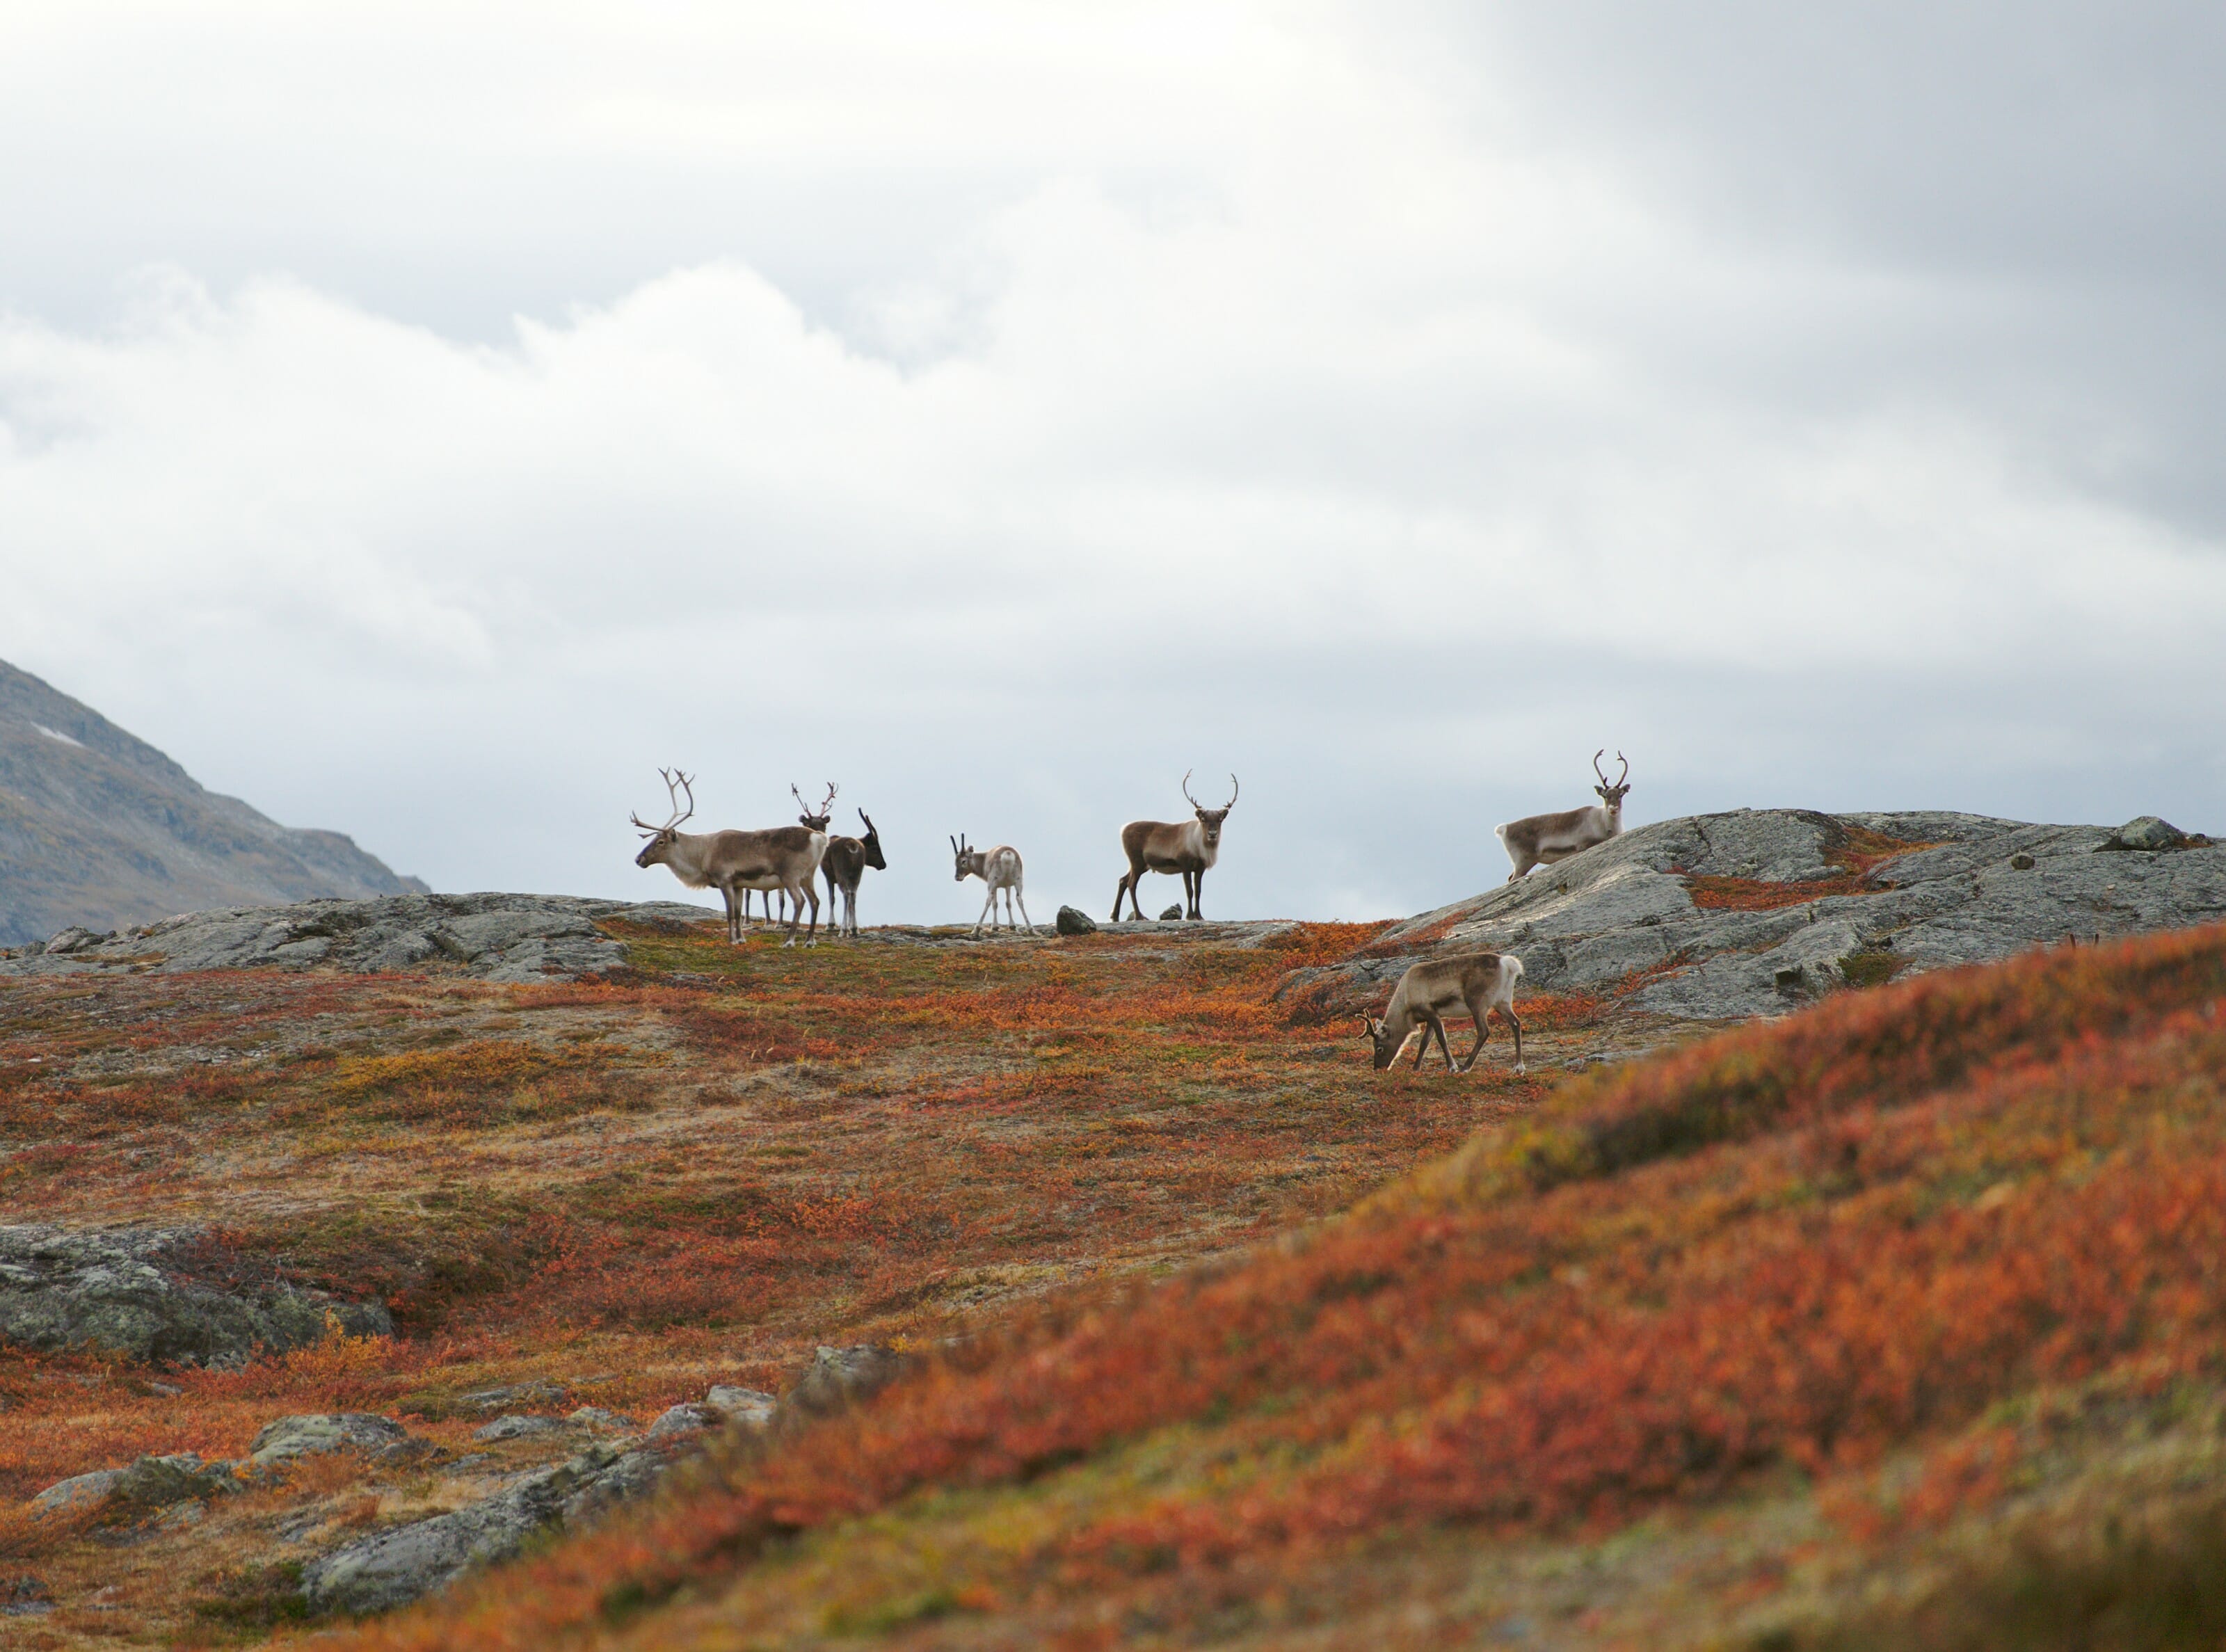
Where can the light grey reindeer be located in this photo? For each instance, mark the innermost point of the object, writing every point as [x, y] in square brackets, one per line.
[1000, 868]
[1538, 840]
[1478, 982]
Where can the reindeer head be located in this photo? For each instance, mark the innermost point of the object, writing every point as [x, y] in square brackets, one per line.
[814, 819]
[1378, 1032]
[1209, 819]
[1611, 795]
[871, 842]
[662, 838]
[967, 860]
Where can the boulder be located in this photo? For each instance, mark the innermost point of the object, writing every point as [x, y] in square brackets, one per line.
[686, 1418]
[315, 1432]
[79, 1491]
[1172, 913]
[1072, 920]
[2142, 832]
[156, 1296]
[1622, 917]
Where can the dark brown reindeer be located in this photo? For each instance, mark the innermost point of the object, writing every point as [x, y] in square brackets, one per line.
[1543, 839]
[846, 860]
[1188, 846]
[1478, 982]
[845, 870]
[784, 858]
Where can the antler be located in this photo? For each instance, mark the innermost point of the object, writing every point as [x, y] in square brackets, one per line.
[1233, 789]
[1626, 762]
[868, 818]
[1596, 767]
[827, 805]
[673, 789]
[1187, 798]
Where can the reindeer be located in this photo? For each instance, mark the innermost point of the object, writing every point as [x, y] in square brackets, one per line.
[1188, 846]
[1001, 869]
[845, 869]
[1479, 982]
[1548, 838]
[785, 858]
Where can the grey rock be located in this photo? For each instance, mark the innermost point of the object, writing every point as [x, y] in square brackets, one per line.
[317, 1433]
[155, 1295]
[1072, 920]
[393, 1567]
[79, 1491]
[158, 1482]
[1620, 917]
[597, 1417]
[838, 1378]
[1171, 913]
[75, 938]
[515, 1393]
[24, 1596]
[515, 1427]
[686, 1418]
[752, 1408]
[514, 938]
[2143, 832]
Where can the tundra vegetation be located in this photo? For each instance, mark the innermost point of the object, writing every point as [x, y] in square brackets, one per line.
[1897, 1321]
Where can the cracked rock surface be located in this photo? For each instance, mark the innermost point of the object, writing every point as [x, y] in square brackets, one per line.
[1969, 889]
[494, 936]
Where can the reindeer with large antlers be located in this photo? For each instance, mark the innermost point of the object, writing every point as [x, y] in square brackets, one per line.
[1544, 839]
[785, 858]
[1000, 868]
[1188, 846]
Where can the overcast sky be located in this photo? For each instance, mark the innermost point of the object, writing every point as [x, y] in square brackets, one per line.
[425, 421]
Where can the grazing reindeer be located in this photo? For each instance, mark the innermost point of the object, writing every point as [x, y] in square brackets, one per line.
[1479, 982]
[1548, 838]
[785, 858]
[1001, 869]
[845, 869]
[1188, 846]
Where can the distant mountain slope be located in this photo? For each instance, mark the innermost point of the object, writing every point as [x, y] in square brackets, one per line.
[101, 830]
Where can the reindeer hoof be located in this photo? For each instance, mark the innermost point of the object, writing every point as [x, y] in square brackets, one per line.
[1520, 1070]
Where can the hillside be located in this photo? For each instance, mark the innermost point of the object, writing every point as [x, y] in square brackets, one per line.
[1091, 1291]
[1900, 1321]
[99, 829]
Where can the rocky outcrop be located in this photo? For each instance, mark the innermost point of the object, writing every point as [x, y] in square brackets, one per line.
[318, 1433]
[156, 1296]
[494, 936]
[1754, 911]
[99, 828]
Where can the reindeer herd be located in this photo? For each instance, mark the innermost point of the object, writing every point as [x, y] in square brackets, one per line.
[790, 860]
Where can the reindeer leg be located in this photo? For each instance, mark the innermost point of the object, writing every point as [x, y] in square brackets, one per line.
[1119, 889]
[1508, 1011]
[811, 893]
[1025, 918]
[986, 905]
[1198, 894]
[1483, 1019]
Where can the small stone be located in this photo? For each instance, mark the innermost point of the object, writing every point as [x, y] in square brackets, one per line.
[516, 1427]
[2022, 863]
[1173, 912]
[1072, 920]
[24, 1596]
